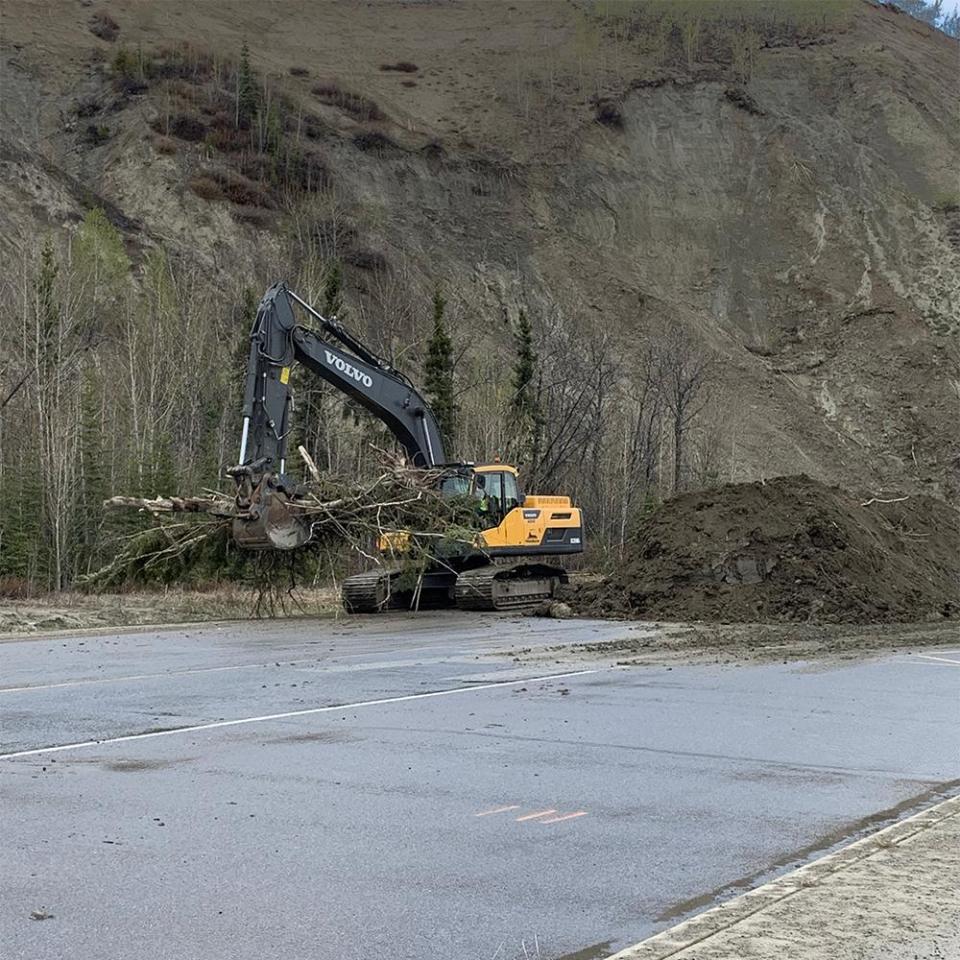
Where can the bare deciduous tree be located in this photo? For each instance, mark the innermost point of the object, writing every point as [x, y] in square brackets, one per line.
[684, 372]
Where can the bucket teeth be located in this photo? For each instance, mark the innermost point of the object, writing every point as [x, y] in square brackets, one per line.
[271, 525]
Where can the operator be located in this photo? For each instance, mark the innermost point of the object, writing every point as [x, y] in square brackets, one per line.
[480, 492]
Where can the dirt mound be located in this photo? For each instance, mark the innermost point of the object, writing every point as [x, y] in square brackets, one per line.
[790, 549]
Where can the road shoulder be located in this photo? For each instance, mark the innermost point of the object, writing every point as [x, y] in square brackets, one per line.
[893, 894]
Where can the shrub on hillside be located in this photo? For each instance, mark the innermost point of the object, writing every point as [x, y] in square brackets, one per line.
[165, 145]
[183, 126]
[95, 134]
[372, 141]
[205, 187]
[253, 216]
[358, 106]
[401, 66]
[102, 25]
[608, 113]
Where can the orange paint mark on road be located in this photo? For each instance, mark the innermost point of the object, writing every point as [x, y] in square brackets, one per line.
[487, 813]
[566, 816]
[533, 816]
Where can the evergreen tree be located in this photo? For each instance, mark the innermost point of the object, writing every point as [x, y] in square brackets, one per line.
[248, 93]
[438, 373]
[525, 402]
[333, 291]
[524, 367]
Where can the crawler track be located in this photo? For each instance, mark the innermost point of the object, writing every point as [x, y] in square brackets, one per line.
[518, 586]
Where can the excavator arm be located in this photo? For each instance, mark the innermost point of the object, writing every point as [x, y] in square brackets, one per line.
[277, 342]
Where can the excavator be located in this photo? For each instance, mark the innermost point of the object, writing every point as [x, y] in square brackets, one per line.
[505, 568]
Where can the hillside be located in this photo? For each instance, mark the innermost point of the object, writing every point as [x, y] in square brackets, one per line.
[778, 181]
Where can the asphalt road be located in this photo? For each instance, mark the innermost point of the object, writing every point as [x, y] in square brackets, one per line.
[393, 788]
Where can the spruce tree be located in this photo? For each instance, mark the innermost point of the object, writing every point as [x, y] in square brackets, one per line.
[333, 291]
[524, 367]
[438, 373]
[248, 94]
[525, 402]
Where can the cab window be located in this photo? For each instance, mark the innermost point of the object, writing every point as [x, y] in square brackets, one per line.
[456, 485]
[511, 492]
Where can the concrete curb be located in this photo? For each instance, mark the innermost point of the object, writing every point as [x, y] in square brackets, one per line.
[699, 929]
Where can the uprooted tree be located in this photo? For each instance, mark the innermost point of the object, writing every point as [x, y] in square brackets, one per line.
[195, 531]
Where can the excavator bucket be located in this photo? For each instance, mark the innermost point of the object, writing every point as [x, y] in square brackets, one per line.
[270, 522]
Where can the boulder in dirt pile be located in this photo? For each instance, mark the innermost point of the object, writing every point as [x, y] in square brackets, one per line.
[789, 549]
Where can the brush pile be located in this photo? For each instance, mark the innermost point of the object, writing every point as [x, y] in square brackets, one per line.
[343, 514]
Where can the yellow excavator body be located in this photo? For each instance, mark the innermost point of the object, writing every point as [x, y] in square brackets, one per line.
[526, 525]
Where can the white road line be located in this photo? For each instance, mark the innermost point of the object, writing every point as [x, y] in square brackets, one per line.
[928, 656]
[924, 663]
[217, 724]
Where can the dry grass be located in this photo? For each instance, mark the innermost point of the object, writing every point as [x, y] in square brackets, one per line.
[72, 611]
[253, 216]
[165, 145]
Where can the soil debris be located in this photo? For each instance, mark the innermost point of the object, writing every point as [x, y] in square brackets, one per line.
[787, 550]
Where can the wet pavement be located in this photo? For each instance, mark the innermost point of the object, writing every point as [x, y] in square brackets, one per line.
[393, 788]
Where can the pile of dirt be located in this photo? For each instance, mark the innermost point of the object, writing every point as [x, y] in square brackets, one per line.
[790, 549]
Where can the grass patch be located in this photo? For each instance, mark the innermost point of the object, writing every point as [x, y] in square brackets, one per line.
[727, 33]
[947, 203]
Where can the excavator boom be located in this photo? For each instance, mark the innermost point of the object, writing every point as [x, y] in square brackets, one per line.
[277, 342]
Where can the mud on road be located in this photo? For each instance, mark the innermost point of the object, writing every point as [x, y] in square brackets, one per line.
[666, 643]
